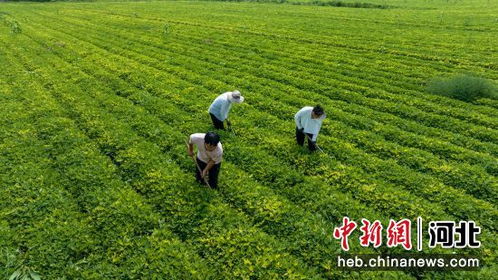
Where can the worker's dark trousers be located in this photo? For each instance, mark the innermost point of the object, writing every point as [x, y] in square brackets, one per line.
[300, 136]
[217, 123]
[213, 173]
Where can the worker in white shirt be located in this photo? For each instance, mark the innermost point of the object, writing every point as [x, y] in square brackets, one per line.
[221, 106]
[209, 155]
[308, 123]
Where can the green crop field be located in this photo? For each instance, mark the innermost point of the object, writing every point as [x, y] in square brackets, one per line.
[97, 99]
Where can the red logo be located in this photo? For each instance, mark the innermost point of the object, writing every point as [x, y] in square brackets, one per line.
[399, 233]
[372, 233]
[344, 232]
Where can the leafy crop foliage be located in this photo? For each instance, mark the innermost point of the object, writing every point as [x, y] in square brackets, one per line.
[98, 98]
[13, 24]
[465, 87]
[317, 3]
[24, 273]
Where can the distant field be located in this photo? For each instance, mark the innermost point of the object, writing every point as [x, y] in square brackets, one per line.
[98, 98]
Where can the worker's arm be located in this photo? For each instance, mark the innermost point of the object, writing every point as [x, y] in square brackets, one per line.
[209, 165]
[297, 118]
[190, 150]
[190, 147]
[315, 135]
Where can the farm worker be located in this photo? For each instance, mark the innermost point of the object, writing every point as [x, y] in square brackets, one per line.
[221, 106]
[308, 122]
[209, 154]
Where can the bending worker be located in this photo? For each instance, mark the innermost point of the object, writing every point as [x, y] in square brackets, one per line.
[221, 106]
[209, 155]
[308, 123]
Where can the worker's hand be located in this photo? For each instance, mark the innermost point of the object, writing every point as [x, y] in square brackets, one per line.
[313, 145]
[190, 153]
[204, 173]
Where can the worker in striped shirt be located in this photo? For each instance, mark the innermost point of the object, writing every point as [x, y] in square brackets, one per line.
[308, 123]
[221, 106]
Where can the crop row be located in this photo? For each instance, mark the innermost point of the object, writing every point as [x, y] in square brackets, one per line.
[344, 106]
[408, 183]
[94, 237]
[285, 29]
[457, 182]
[459, 179]
[130, 120]
[166, 110]
[314, 67]
[26, 188]
[131, 163]
[221, 235]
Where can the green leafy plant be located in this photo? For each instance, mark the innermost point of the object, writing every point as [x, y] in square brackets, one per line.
[166, 30]
[14, 25]
[466, 87]
[25, 273]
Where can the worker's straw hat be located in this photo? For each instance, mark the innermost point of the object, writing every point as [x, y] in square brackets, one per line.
[236, 97]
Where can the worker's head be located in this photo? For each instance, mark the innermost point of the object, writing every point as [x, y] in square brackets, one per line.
[317, 112]
[211, 141]
[235, 97]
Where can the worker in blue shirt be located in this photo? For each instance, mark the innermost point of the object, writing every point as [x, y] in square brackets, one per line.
[221, 106]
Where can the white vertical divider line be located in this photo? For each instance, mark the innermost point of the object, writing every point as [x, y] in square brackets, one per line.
[419, 233]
